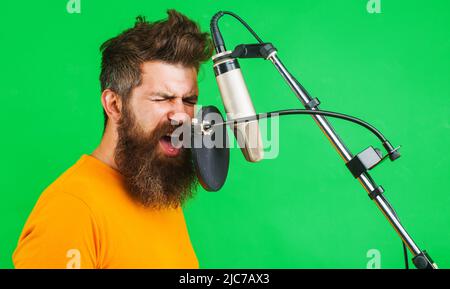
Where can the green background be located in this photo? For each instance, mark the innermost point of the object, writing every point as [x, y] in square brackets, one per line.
[300, 210]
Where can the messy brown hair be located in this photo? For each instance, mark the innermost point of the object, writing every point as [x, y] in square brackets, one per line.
[175, 40]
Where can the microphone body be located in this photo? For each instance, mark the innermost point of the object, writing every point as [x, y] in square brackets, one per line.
[237, 103]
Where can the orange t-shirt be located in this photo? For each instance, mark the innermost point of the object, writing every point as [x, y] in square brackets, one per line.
[86, 219]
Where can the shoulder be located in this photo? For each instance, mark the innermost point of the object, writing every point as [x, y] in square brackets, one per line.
[59, 223]
[87, 181]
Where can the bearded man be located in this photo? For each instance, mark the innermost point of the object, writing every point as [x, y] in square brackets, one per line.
[121, 206]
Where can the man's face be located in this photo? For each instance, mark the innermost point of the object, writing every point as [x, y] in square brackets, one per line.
[156, 173]
[167, 93]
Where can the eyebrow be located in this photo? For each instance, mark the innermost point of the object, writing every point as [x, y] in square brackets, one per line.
[171, 96]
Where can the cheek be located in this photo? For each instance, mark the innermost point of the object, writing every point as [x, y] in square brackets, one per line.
[149, 116]
[190, 111]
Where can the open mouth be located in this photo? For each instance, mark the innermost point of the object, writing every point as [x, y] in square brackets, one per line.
[167, 146]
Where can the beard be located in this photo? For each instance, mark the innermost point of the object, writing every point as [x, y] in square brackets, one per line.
[152, 178]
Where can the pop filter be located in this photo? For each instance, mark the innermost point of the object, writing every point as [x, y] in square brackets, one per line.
[210, 151]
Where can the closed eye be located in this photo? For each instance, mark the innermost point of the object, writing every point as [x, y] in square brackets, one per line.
[191, 102]
[162, 98]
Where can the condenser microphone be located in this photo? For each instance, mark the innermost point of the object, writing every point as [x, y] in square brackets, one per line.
[237, 103]
[235, 97]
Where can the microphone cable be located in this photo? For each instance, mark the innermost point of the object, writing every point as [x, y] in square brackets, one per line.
[219, 44]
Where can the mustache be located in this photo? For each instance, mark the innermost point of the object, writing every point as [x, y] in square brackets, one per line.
[171, 132]
[166, 128]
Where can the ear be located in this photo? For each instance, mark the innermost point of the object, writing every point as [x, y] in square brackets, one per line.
[112, 104]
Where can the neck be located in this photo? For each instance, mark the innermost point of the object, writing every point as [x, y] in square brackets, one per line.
[105, 150]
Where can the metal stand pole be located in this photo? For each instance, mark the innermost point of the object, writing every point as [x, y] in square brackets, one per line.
[421, 259]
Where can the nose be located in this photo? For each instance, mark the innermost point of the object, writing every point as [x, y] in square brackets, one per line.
[177, 115]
